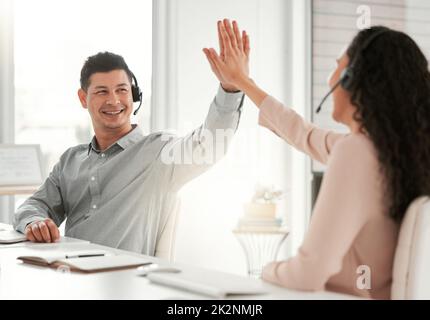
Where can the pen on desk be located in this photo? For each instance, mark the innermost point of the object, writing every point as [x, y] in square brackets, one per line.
[85, 256]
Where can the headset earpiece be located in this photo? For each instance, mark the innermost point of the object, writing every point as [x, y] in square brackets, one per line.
[135, 90]
[136, 93]
[346, 77]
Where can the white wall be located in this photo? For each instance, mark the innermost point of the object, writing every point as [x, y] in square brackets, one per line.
[212, 204]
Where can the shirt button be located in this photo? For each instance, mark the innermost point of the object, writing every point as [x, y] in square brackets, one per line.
[103, 155]
[94, 206]
[93, 178]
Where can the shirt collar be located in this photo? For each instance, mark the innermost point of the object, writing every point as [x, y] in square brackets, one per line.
[134, 136]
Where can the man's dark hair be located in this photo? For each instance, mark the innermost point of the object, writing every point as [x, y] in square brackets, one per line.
[102, 62]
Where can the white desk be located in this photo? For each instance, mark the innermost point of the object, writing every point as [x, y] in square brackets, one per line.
[22, 281]
[14, 190]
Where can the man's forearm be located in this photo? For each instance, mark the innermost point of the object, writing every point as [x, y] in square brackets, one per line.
[27, 213]
[45, 203]
[189, 156]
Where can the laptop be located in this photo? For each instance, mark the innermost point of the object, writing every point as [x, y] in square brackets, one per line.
[213, 284]
[11, 236]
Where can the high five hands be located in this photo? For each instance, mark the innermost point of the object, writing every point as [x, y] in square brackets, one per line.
[231, 66]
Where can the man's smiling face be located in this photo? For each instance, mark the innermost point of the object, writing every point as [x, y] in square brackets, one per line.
[108, 100]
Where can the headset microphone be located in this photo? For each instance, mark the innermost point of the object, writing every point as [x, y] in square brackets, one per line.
[346, 82]
[346, 77]
[326, 96]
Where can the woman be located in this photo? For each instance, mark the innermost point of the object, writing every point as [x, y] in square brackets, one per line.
[373, 173]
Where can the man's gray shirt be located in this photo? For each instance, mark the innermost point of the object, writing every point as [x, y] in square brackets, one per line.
[122, 197]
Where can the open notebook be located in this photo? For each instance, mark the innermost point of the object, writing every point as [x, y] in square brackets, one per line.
[213, 284]
[86, 261]
[10, 238]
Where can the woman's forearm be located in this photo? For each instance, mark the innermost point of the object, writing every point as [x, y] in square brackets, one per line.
[249, 87]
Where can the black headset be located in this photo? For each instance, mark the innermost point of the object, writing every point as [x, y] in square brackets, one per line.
[136, 92]
[347, 75]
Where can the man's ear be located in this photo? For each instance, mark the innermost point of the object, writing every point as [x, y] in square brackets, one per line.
[83, 98]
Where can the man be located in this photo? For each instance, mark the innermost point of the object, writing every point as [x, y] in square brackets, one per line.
[120, 189]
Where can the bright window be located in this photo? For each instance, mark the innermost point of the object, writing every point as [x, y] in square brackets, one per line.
[52, 41]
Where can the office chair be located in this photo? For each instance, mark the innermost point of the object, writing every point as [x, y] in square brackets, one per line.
[411, 269]
[165, 247]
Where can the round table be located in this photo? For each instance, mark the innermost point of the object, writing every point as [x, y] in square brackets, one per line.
[261, 246]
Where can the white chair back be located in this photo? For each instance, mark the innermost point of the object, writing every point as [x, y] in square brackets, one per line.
[411, 269]
[165, 248]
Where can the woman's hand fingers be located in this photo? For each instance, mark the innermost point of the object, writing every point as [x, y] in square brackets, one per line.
[237, 35]
[230, 34]
[221, 42]
[228, 49]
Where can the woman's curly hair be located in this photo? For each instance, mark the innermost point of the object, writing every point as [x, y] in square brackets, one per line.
[391, 91]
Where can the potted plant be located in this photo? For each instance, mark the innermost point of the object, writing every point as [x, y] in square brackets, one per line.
[263, 203]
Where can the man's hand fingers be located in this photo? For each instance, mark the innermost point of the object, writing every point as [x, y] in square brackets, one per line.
[53, 230]
[36, 232]
[42, 231]
[45, 232]
[212, 63]
[237, 35]
[246, 45]
[215, 58]
[29, 234]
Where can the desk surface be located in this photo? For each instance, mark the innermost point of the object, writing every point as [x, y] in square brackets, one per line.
[17, 278]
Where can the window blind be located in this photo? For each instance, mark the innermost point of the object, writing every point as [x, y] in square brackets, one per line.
[334, 24]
